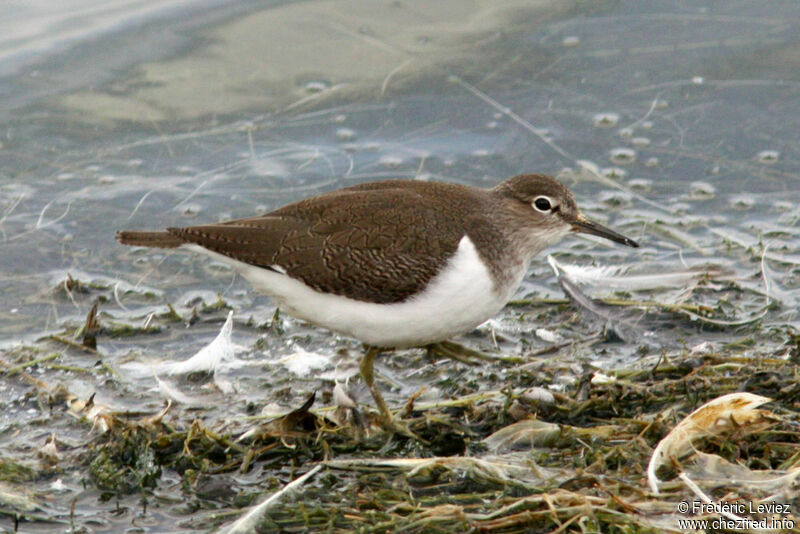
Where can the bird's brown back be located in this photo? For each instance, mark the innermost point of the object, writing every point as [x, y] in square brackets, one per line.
[375, 242]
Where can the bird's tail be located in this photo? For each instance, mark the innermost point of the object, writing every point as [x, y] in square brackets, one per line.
[160, 239]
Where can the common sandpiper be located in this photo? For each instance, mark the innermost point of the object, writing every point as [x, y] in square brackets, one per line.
[396, 263]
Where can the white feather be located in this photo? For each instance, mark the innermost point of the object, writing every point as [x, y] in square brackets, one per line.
[210, 356]
[462, 296]
[617, 277]
[302, 363]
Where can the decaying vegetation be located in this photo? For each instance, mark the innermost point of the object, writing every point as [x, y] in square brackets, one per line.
[540, 440]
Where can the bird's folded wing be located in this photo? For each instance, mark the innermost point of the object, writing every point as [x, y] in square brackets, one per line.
[376, 248]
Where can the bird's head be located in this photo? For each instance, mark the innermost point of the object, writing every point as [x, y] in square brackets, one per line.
[551, 208]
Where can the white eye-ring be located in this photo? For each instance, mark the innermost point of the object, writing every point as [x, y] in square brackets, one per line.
[543, 204]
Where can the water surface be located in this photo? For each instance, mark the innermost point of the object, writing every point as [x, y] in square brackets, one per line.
[674, 123]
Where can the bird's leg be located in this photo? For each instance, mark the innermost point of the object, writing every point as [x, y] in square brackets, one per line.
[460, 353]
[387, 420]
[368, 375]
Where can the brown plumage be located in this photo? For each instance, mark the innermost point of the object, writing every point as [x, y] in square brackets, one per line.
[418, 262]
[374, 247]
[159, 239]
[379, 242]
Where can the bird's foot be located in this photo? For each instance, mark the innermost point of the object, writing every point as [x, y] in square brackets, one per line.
[460, 353]
[390, 423]
[396, 426]
[387, 421]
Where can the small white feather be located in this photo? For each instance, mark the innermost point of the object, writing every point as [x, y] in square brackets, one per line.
[210, 356]
[302, 363]
[616, 277]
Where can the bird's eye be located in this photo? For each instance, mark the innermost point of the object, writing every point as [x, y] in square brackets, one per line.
[542, 204]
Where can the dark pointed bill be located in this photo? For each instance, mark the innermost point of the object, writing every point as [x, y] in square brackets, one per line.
[585, 226]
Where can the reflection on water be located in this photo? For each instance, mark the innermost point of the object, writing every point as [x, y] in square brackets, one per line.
[151, 114]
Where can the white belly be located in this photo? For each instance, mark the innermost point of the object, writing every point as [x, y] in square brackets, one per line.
[458, 299]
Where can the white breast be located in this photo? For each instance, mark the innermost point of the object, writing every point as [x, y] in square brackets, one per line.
[459, 298]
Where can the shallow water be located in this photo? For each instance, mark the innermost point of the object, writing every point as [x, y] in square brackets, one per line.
[145, 115]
